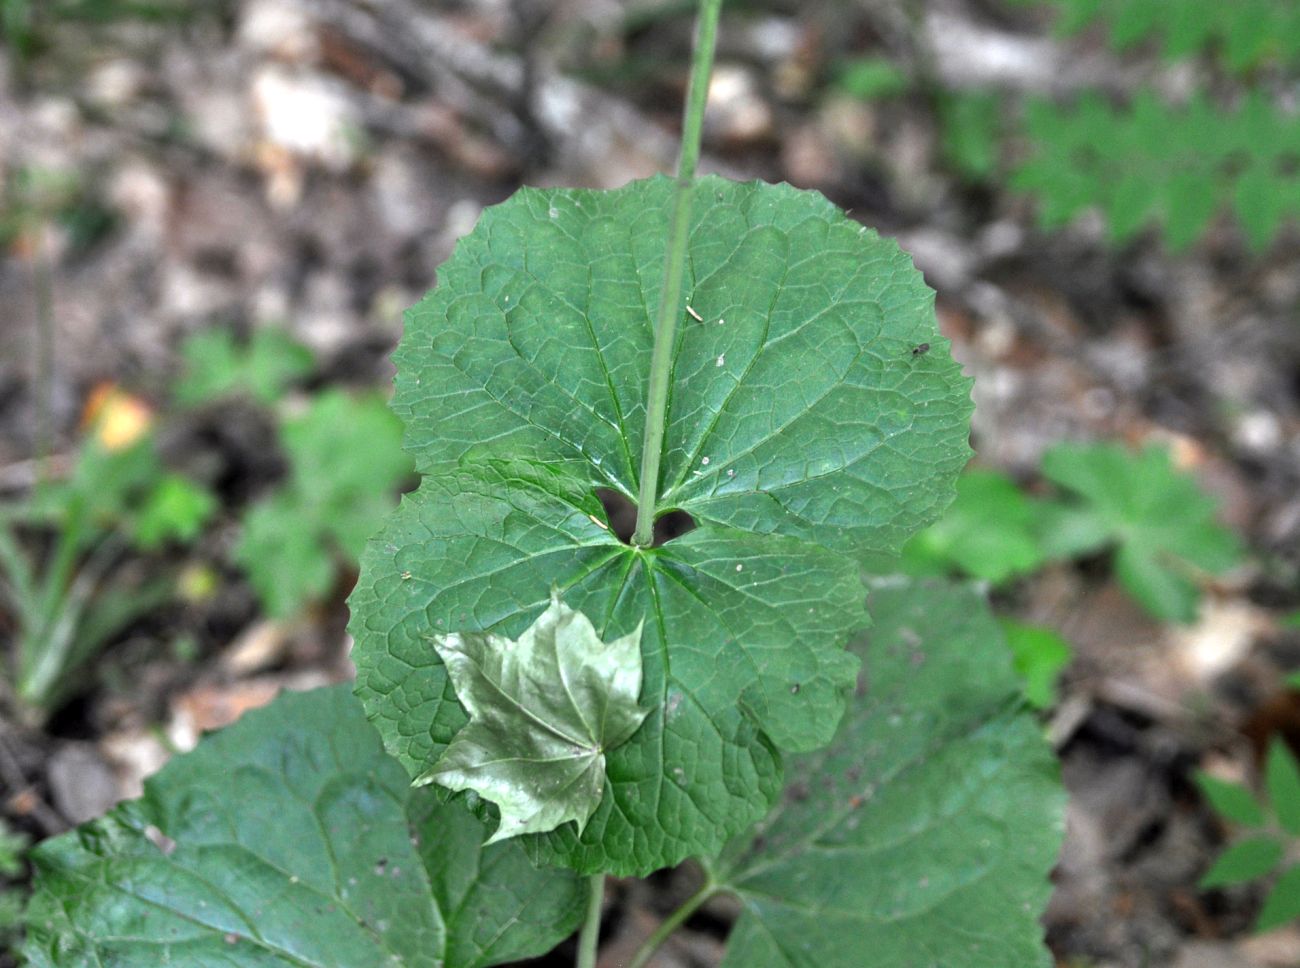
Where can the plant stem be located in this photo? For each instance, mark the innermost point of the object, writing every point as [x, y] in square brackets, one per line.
[589, 936]
[671, 924]
[661, 361]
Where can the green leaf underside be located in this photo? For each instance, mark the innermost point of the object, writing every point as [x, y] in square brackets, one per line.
[544, 709]
[323, 856]
[802, 431]
[922, 836]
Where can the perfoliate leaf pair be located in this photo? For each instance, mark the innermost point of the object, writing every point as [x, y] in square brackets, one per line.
[802, 434]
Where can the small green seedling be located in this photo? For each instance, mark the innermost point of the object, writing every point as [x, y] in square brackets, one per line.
[216, 366]
[739, 354]
[1274, 824]
[67, 593]
[1162, 526]
[345, 465]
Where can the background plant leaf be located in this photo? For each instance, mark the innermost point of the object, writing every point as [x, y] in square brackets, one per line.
[991, 531]
[1283, 901]
[290, 838]
[803, 432]
[1282, 779]
[924, 833]
[1163, 524]
[345, 464]
[1243, 861]
[1231, 800]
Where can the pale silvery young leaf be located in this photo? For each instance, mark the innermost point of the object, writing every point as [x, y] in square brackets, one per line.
[923, 835]
[543, 710]
[804, 432]
[291, 839]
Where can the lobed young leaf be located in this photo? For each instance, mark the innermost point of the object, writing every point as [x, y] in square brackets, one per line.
[290, 838]
[991, 531]
[803, 434]
[923, 834]
[544, 711]
[1163, 524]
[345, 462]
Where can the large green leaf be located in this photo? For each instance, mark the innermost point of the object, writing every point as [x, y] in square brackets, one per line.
[922, 837]
[803, 434]
[544, 711]
[292, 839]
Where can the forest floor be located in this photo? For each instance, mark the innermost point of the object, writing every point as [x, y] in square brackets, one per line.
[309, 165]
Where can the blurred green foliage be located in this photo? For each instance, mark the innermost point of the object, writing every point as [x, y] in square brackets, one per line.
[991, 531]
[34, 196]
[217, 366]
[1161, 526]
[871, 78]
[1039, 655]
[1245, 34]
[24, 23]
[346, 463]
[1178, 167]
[13, 901]
[1142, 162]
[1158, 522]
[60, 552]
[1274, 821]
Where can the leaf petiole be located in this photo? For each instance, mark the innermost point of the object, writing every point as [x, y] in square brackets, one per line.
[671, 924]
[661, 360]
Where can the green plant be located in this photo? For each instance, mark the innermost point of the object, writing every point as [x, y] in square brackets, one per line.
[970, 128]
[345, 462]
[1247, 34]
[70, 599]
[216, 366]
[1175, 166]
[870, 78]
[35, 196]
[1274, 822]
[1160, 523]
[887, 839]
[1039, 655]
[744, 355]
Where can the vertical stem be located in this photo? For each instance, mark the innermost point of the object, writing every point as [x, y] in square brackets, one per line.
[661, 361]
[589, 936]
